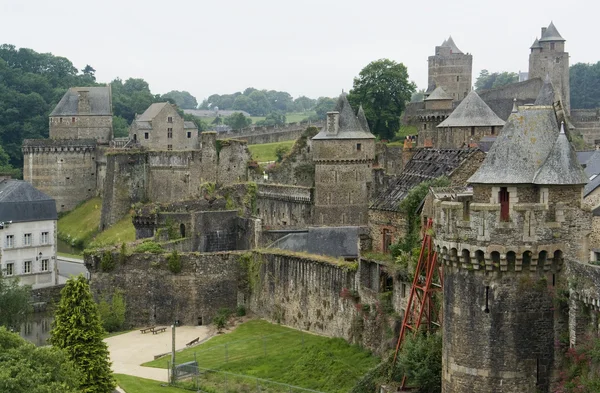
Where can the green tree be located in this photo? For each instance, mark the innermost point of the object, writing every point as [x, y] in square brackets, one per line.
[281, 152]
[77, 330]
[304, 104]
[120, 127]
[182, 99]
[585, 85]
[237, 121]
[24, 368]
[324, 105]
[383, 89]
[112, 314]
[418, 96]
[420, 359]
[218, 120]
[485, 80]
[272, 119]
[14, 302]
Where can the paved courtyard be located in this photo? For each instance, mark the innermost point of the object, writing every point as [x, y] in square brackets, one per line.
[128, 351]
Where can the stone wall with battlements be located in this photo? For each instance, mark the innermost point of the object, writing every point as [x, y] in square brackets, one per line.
[260, 135]
[283, 206]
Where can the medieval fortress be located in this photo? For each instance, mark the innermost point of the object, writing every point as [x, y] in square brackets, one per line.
[513, 231]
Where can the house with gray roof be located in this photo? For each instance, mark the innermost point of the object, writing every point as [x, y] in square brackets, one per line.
[161, 127]
[28, 234]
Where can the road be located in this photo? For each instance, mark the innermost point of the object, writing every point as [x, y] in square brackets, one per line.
[69, 267]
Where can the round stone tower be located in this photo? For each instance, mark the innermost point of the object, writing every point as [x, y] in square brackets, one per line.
[503, 244]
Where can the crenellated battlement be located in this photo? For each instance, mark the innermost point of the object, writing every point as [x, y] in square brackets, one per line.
[58, 145]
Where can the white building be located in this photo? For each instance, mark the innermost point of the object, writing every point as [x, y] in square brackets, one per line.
[28, 234]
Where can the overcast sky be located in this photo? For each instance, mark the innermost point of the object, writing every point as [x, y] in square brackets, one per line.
[310, 47]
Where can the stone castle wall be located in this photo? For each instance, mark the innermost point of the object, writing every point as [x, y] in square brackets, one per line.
[259, 135]
[82, 127]
[283, 206]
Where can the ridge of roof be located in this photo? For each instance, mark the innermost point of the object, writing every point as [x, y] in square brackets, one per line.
[153, 110]
[536, 44]
[551, 34]
[438, 94]
[450, 44]
[472, 112]
[349, 124]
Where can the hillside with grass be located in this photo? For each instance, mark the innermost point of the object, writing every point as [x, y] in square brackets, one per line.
[265, 152]
[79, 227]
[264, 350]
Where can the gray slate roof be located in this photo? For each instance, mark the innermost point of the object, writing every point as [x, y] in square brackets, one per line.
[561, 166]
[331, 241]
[362, 119]
[536, 44]
[472, 112]
[153, 110]
[99, 97]
[546, 95]
[527, 139]
[438, 94]
[426, 164]
[449, 43]
[350, 127]
[551, 34]
[189, 124]
[21, 202]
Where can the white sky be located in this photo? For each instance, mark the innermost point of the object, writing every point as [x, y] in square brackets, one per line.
[306, 47]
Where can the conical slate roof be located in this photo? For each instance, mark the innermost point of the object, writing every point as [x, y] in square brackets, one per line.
[551, 34]
[536, 44]
[546, 94]
[349, 127]
[472, 112]
[521, 149]
[438, 94]
[362, 119]
[561, 166]
[450, 44]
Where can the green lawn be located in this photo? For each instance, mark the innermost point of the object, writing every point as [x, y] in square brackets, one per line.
[141, 385]
[81, 224]
[266, 151]
[269, 351]
[122, 232]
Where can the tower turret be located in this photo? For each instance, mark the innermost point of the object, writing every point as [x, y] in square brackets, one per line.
[450, 69]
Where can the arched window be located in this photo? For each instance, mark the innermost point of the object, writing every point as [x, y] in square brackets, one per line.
[466, 256]
[542, 257]
[496, 258]
[480, 257]
[454, 255]
[511, 259]
[526, 260]
[182, 230]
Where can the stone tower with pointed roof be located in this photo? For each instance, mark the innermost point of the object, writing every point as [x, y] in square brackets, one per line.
[548, 57]
[504, 246]
[343, 153]
[450, 69]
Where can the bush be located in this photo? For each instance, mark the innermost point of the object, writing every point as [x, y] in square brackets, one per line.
[112, 314]
[149, 246]
[123, 254]
[420, 359]
[107, 263]
[174, 262]
[221, 319]
[241, 310]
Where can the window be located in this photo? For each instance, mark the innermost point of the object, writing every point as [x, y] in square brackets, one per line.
[358, 146]
[472, 131]
[503, 196]
[169, 119]
[552, 46]
[169, 147]
[145, 135]
[72, 120]
[60, 120]
[458, 78]
[189, 134]
[134, 137]
[10, 241]
[27, 239]
[424, 126]
[44, 238]
[10, 269]
[26, 267]
[169, 133]
[45, 264]
[387, 241]
[493, 130]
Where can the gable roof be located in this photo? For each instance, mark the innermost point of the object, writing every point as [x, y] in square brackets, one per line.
[189, 125]
[523, 148]
[536, 44]
[551, 34]
[349, 125]
[153, 110]
[99, 98]
[561, 165]
[426, 164]
[438, 94]
[472, 112]
[20, 202]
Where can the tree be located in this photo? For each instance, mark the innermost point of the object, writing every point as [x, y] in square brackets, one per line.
[24, 368]
[77, 329]
[585, 85]
[304, 104]
[324, 105]
[486, 81]
[418, 96]
[182, 99]
[112, 314]
[421, 361]
[14, 302]
[272, 119]
[217, 121]
[281, 152]
[383, 89]
[237, 121]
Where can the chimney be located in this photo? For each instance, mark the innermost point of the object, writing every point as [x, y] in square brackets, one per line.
[333, 123]
[83, 104]
[543, 31]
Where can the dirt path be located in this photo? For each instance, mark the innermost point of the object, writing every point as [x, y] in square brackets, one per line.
[128, 351]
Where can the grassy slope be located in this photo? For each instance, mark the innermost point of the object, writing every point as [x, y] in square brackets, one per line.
[141, 385]
[266, 151]
[321, 363]
[122, 232]
[82, 222]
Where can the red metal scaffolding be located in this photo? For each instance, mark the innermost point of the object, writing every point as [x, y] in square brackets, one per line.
[421, 310]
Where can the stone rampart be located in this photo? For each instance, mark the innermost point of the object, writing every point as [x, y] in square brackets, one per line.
[259, 135]
[281, 206]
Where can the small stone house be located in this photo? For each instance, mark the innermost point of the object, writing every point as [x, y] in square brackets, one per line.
[161, 127]
[386, 223]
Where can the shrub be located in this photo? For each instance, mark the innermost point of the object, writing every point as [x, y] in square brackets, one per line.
[123, 254]
[112, 314]
[107, 263]
[174, 262]
[241, 310]
[149, 246]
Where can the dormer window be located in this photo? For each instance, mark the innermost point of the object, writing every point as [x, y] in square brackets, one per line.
[169, 119]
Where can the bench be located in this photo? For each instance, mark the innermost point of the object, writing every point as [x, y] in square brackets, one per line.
[194, 341]
[146, 330]
[158, 330]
